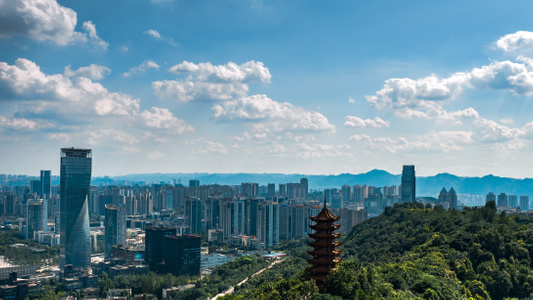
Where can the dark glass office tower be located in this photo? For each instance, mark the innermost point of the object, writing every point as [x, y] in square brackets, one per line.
[75, 180]
[46, 184]
[408, 184]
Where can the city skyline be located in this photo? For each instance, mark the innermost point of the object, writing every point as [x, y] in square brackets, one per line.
[267, 86]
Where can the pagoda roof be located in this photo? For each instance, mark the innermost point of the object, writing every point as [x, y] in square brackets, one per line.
[324, 214]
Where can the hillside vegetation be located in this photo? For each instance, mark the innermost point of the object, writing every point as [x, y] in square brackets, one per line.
[412, 251]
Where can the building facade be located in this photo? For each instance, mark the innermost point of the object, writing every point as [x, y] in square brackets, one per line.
[75, 180]
[408, 184]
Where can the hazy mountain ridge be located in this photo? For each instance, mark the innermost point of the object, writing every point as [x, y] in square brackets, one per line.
[425, 185]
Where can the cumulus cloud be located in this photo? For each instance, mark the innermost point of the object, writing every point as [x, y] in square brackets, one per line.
[60, 94]
[94, 72]
[205, 81]
[73, 98]
[425, 97]
[145, 66]
[162, 118]
[491, 131]
[45, 20]
[249, 71]
[93, 37]
[274, 116]
[353, 121]
[518, 41]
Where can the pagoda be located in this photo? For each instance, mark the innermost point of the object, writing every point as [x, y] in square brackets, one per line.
[324, 244]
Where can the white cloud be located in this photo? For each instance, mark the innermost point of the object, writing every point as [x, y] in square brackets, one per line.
[442, 141]
[94, 72]
[491, 131]
[310, 151]
[425, 97]
[23, 124]
[351, 100]
[45, 20]
[40, 20]
[205, 81]
[59, 94]
[62, 101]
[162, 118]
[154, 33]
[249, 71]
[145, 66]
[212, 147]
[353, 121]
[274, 116]
[520, 40]
[507, 121]
[158, 36]
[93, 37]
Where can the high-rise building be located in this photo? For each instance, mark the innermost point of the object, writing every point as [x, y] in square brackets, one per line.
[524, 203]
[251, 210]
[233, 217]
[182, 255]
[75, 180]
[46, 184]
[193, 214]
[502, 200]
[268, 224]
[452, 198]
[194, 183]
[250, 189]
[408, 184]
[490, 197]
[35, 187]
[512, 201]
[346, 193]
[35, 217]
[271, 190]
[304, 188]
[115, 227]
[154, 253]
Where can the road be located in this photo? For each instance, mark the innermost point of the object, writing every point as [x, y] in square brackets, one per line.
[231, 289]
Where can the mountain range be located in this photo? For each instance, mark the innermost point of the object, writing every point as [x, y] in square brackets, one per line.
[425, 185]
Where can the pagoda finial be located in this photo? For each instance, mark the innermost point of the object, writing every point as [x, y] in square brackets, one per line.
[325, 201]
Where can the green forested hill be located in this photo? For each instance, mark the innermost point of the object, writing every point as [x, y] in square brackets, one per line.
[415, 252]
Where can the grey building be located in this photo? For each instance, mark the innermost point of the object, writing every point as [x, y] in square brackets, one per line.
[35, 217]
[115, 227]
[75, 180]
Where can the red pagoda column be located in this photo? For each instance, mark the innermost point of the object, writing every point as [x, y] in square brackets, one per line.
[324, 244]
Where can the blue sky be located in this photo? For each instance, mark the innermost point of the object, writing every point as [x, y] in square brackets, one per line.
[268, 86]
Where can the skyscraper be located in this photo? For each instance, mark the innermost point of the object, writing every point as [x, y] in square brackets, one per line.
[408, 184]
[46, 184]
[75, 180]
[35, 217]
[268, 224]
[115, 227]
[304, 188]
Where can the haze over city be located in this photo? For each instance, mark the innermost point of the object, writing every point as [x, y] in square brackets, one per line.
[267, 86]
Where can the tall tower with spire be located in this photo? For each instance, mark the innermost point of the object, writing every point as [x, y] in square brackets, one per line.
[324, 246]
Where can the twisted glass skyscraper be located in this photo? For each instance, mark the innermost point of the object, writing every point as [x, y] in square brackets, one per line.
[75, 180]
